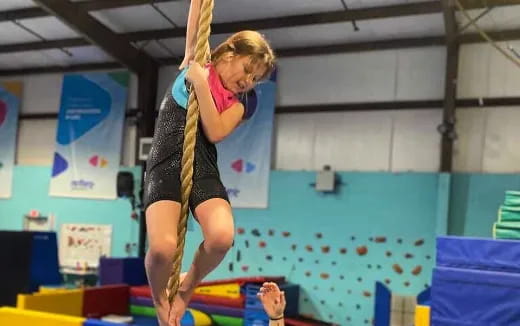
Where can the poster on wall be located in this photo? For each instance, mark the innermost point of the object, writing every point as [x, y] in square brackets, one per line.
[10, 99]
[244, 157]
[89, 135]
[81, 245]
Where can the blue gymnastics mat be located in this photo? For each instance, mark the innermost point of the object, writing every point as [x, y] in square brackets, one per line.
[479, 253]
[475, 297]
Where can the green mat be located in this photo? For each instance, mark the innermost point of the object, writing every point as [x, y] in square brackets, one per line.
[512, 198]
[506, 230]
[227, 321]
[509, 214]
[142, 311]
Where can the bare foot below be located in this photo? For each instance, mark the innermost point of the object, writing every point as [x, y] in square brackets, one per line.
[162, 309]
[180, 303]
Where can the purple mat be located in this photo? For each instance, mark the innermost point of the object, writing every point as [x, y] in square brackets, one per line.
[141, 301]
[217, 310]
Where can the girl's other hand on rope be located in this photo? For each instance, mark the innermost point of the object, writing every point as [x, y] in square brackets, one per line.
[196, 74]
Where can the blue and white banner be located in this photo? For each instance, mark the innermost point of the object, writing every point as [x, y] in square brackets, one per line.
[10, 98]
[244, 157]
[89, 136]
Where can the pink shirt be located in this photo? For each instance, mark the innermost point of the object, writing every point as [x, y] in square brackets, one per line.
[223, 98]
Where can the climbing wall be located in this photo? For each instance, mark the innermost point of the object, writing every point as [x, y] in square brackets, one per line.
[337, 246]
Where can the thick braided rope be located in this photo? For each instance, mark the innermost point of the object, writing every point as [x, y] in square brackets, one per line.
[190, 131]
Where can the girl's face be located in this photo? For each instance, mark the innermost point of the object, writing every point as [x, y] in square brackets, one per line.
[237, 73]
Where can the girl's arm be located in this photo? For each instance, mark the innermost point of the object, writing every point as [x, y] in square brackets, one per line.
[191, 32]
[217, 126]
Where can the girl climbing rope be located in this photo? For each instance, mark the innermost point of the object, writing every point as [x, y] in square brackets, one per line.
[182, 172]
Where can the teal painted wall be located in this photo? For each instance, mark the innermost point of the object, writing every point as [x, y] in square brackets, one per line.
[379, 227]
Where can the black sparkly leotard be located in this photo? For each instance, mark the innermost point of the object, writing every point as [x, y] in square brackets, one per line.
[162, 179]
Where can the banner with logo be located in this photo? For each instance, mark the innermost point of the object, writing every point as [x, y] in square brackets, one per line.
[89, 135]
[10, 99]
[244, 157]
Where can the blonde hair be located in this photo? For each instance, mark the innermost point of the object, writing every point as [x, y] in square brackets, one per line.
[247, 43]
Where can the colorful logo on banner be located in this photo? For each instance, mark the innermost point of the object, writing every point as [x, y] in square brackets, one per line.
[89, 137]
[244, 158]
[10, 98]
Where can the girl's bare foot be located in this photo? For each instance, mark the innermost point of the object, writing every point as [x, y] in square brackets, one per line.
[180, 303]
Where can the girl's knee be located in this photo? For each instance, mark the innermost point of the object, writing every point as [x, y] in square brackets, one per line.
[220, 241]
[161, 252]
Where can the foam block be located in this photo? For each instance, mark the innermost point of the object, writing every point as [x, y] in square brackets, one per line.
[245, 280]
[473, 297]
[143, 311]
[217, 310]
[422, 315]
[141, 291]
[19, 317]
[479, 253]
[15, 250]
[97, 322]
[219, 320]
[105, 300]
[200, 318]
[44, 260]
[382, 305]
[141, 301]
[59, 302]
[231, 290]
[227, 302]
[128, 270]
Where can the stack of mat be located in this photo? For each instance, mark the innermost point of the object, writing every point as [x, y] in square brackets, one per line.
[508, 224]
[223, 300]
[30, 260]
[476, 282]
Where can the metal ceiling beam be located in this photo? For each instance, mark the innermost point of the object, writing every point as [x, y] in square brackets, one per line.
[467, 103]
[60, 69]
[506, 35]
[92, 5]
[100, 35]
[450, 86]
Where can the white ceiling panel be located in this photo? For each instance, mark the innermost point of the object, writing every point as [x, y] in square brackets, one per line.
[79, 55]
[130, 19]
[176, 45]
[238, 10]
[25, 59]
[177, 11]
[11, 33]
[409, 26]
[314, 35]
[159, 49]
[50, 28]
[16, 4]
[499, 18]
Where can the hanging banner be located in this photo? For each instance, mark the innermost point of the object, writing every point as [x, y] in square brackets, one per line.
[244, 157]
[10, 99]
[89, 136]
